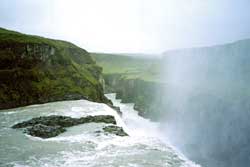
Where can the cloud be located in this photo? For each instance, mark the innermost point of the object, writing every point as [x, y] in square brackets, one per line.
[130, 25]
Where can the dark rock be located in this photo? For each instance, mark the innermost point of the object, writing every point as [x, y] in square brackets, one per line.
[64, 121]
[98, 131]
[53, 120]
[44, 131]
[98, 119]
[145, 94]
[51, 126]
[117, 109]
[115, 130]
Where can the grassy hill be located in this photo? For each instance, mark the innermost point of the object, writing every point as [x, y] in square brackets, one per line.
[130, 67]
[34, 70]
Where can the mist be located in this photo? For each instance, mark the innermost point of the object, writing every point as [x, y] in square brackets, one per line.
[204, 91]
[130, 26]
[207, 107]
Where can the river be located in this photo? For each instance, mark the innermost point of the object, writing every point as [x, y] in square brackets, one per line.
[80, 146]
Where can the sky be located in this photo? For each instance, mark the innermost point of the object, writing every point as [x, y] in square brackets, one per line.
[131, 26]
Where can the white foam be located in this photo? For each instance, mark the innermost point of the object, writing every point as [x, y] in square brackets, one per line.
[99, 148]
[142, 130]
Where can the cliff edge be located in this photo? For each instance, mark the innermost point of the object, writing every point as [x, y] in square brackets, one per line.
[36, 70]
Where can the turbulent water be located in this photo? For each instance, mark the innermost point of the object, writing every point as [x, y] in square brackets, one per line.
[80, 146]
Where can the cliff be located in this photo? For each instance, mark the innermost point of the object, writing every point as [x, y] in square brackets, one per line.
[35, 70]
[144, 94]
[135, 79]
[207, 103]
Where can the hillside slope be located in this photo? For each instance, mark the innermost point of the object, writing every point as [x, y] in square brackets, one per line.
[131, 67]
[135, 79]
[34, 70]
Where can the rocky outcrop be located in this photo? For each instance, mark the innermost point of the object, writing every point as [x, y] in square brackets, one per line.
[144, 94]
[39, 70]
[51, 126]
[115, 130]
[45, 131]
[117, 109]
[135, 78]
[64, 121]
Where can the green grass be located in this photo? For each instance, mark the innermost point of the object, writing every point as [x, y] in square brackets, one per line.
[12, 36]
[130, 67]
[35, 69]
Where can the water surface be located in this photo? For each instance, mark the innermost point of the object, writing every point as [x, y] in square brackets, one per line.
[80, 146]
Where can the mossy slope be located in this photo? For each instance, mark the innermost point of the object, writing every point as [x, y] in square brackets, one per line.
[37, 70]
[131, 67]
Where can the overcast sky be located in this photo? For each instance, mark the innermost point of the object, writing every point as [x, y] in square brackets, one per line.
[149, 26]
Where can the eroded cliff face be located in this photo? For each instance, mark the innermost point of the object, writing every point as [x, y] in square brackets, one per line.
[144, 94]
[39, 70]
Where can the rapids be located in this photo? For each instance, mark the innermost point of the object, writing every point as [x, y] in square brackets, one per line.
[80, 146]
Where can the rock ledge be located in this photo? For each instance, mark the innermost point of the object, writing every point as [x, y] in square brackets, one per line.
[51, 126]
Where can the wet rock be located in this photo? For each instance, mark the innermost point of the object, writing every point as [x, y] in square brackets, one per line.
[115, 130]
[98, 119]
[146, 95]
[51, 126]
[64, 121]
[117, 109]
[44, 131]
[53, 120]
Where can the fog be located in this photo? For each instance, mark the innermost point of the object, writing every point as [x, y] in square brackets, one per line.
[130, 26]
[206, 96]
[207, 109]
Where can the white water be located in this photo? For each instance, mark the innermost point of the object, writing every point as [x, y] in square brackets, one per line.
[80, 146]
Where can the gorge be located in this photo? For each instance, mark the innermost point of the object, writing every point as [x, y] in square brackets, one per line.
[192, 102]
[49, 90]
[128, 83]
[201, 99]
